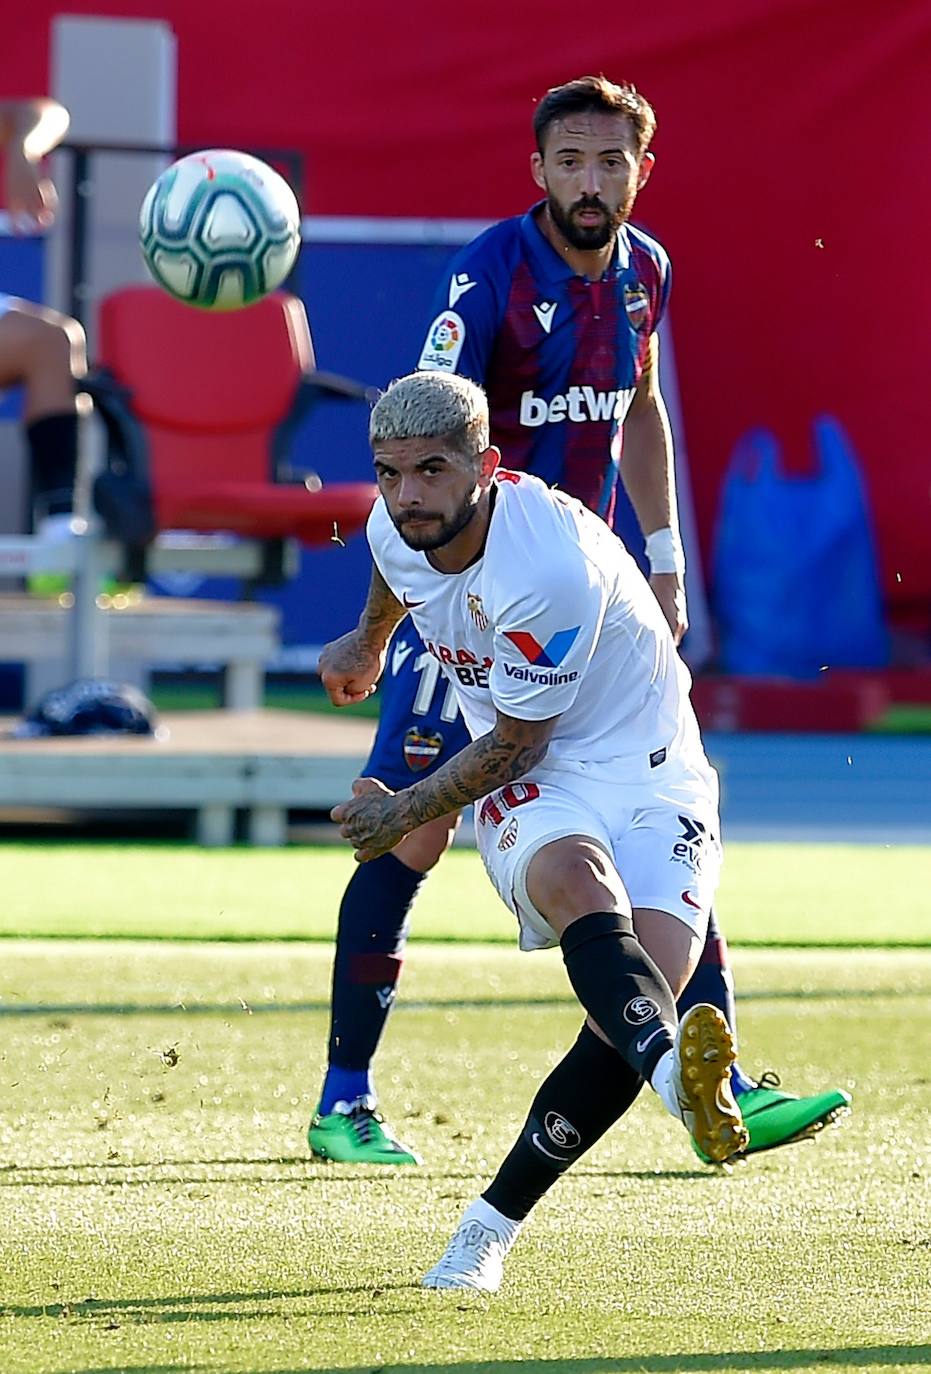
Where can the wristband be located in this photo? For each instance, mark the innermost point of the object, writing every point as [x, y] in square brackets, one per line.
[664, 552]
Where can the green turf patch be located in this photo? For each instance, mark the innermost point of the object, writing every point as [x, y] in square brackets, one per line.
[780, 894]
[207, 695]
[159, 1213]
[904, 719]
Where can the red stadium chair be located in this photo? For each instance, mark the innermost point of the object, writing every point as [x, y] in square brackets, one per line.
[199, 410]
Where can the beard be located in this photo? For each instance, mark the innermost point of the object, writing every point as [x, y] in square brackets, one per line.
[449, 526]
[584, 236]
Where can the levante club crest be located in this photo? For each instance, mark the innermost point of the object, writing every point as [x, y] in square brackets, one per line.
[637, 304]
[421, 747]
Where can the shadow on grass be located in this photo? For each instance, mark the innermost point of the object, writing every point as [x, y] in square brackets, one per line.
[196, 1306]
[849, 1357]
[114, 1174]
[11, 1009]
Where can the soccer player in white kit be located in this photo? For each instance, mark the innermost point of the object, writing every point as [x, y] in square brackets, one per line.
[596, 809]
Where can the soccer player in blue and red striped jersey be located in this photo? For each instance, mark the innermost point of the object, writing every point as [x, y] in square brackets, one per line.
[554, 313]
[562, 356]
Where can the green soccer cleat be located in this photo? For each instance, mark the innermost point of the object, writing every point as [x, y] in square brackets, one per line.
[358, 1135]
[775, 1118]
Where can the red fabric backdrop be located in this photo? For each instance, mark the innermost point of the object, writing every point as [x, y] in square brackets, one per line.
[783, 124]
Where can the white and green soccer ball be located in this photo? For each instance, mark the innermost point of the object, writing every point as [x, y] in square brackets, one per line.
[219, 229]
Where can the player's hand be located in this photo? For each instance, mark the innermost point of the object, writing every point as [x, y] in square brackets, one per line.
[670, 593]
[31, 198]
[349, 669]
[372, 820]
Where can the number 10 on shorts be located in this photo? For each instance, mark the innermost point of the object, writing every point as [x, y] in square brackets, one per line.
[508, 799]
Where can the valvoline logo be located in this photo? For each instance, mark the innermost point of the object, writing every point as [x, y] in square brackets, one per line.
[548, 655]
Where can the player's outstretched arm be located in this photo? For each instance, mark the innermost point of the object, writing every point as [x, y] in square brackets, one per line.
[350, 666]
[376, 819]
[648, 472]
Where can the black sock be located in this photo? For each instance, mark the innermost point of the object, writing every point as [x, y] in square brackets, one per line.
[53, 452]
[587, 1092]
[369, 956]
[620, 987]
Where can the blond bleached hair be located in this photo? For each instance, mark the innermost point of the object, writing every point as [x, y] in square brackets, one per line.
[433, 405]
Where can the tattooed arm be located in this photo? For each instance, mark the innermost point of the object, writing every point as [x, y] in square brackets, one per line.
[351, 665]
[376, 819]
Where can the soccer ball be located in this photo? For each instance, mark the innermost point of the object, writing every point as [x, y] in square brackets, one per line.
[219, 229]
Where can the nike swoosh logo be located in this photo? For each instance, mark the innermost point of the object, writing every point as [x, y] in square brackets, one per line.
[560, 1159]
[642, 1044]
[409, 604]
[690, 900]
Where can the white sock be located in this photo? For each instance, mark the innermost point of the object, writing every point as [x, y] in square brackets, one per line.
[367, 1100]
[662, 1084]
[505, 1227]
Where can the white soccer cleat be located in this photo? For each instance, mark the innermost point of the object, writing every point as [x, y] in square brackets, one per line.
[702, 1057]
[474, 1257]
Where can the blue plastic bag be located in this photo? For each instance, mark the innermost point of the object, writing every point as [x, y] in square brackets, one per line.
[795, 578]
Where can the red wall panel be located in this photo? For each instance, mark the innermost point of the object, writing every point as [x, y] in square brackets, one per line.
[782, 123]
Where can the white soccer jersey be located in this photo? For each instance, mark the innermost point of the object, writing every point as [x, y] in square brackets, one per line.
[554, 619]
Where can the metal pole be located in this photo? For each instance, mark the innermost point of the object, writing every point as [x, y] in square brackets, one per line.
[81, 191]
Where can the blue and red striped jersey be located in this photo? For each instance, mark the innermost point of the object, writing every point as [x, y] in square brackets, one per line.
[559, 356]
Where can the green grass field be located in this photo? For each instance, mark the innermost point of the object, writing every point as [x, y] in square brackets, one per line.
[159, 1211]
[849, 895]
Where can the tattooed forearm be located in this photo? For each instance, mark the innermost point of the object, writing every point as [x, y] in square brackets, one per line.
[350, 666]
[506, 753]
[382, 611]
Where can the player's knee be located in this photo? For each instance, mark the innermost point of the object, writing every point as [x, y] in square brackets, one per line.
[572, 877]
[423, 848]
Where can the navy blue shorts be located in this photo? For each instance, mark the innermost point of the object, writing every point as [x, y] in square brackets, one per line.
[419, 725]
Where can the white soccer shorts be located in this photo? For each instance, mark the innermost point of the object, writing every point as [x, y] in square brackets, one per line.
[661, 834]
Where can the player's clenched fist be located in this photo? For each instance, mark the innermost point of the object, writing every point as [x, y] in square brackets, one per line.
[349, 668]
[373, 821]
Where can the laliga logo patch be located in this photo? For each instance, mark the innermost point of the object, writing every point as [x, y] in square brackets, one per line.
[561, 1132]
[637, 305]
[548, 655]
[445, 333]
[508, 837]
[444, 343]
[421, 747]
[639, 1010]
